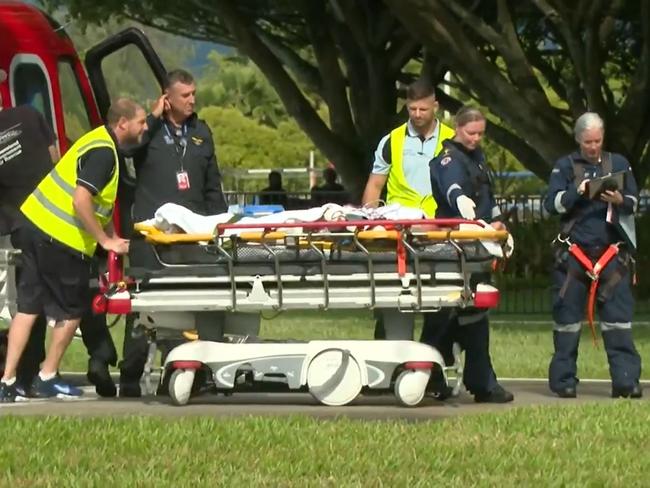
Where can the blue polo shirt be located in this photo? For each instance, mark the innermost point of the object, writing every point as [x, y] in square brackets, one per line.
[418, 151]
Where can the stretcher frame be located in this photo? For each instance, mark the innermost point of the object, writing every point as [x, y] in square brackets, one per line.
[407, 288]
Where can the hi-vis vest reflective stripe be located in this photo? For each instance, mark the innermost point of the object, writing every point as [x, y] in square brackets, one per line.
[50, 206]
[399, 190]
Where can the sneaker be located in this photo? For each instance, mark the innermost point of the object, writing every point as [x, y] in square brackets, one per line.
[8, 393]
[99, 376]
[497, 395]
[23, 391]
[54, 387]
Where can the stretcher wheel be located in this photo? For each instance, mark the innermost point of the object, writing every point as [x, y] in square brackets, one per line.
[334, 377]
[410, 386]
[180, 386]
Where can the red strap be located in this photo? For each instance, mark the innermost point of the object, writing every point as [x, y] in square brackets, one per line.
[591, 304]
[401, 256]
[582, 258]
[593, 271]
[604, 260]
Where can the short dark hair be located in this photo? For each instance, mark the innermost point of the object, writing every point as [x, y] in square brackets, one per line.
[178, 75]
[467, 114]
[122, 107]
[420, 89]
[329, 174]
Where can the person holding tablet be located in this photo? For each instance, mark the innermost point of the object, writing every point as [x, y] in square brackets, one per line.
[595, 195]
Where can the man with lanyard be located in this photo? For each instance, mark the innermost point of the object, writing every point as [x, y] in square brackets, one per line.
[27, 153]
[402, 164]
[461, 184]
[175, 163]
[68, 214]
[593, 261]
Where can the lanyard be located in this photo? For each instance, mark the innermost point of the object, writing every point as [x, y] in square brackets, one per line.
[182, 143]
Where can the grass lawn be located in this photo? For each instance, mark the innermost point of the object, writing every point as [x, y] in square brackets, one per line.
[519, 349]
[586, 445]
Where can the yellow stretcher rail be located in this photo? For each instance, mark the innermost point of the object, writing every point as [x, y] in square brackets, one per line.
[156, 236]
[438, 235]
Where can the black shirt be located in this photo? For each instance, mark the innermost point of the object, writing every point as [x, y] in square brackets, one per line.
[162, 155]
[326, 193]
[24, 160]
[95, 169]
[274, 196]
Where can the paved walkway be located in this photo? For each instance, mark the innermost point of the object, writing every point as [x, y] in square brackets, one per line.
[527, 392]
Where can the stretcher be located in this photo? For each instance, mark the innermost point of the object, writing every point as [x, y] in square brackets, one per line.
[408, 265]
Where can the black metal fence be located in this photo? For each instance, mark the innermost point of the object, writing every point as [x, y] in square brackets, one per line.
[538, 301]
[516, 208]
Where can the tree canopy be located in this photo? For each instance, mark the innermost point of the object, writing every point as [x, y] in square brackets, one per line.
[534, 64]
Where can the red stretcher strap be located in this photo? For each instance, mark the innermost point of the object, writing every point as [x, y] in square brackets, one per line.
[401, 257]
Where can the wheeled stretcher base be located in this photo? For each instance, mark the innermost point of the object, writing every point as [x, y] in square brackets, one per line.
[333, 372]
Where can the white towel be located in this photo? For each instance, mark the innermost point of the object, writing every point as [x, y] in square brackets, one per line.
[171, 218]
[329, 212]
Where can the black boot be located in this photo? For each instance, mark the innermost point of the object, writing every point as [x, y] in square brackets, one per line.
[497, 395]
[635, 392]
[99, 376]
[566, 392]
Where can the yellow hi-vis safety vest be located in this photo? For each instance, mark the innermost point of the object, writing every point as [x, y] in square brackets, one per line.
[399, 190]
[50, 206]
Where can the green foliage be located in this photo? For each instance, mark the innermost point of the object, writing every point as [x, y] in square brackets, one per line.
[249, 122]
[501, 161]
[235, 82]
[536, 65]
[244, 143]
[126, 71]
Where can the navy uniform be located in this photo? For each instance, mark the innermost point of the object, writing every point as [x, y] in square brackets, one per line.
[177, 165]
[593, 225]
[454, 172]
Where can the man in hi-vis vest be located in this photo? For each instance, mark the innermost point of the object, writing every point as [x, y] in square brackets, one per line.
[402, 164]
[67, 215]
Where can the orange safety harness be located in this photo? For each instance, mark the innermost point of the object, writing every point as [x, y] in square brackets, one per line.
[593, 270]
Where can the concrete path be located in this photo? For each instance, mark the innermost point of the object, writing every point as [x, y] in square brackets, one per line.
[527, 392]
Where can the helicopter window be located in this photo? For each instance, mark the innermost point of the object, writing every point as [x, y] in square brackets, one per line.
[31, 88]
[75, 111]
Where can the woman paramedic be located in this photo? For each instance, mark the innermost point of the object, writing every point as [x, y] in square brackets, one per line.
[461, 186]
[597, 231]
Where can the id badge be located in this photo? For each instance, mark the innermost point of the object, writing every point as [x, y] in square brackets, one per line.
[182, 180]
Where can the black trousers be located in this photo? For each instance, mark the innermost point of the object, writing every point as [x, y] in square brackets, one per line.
[94, 330]
[470, 328]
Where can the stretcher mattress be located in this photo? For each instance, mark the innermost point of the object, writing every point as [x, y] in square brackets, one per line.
[208, 260]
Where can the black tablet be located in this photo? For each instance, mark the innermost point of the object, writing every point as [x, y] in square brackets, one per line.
[609, 182]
